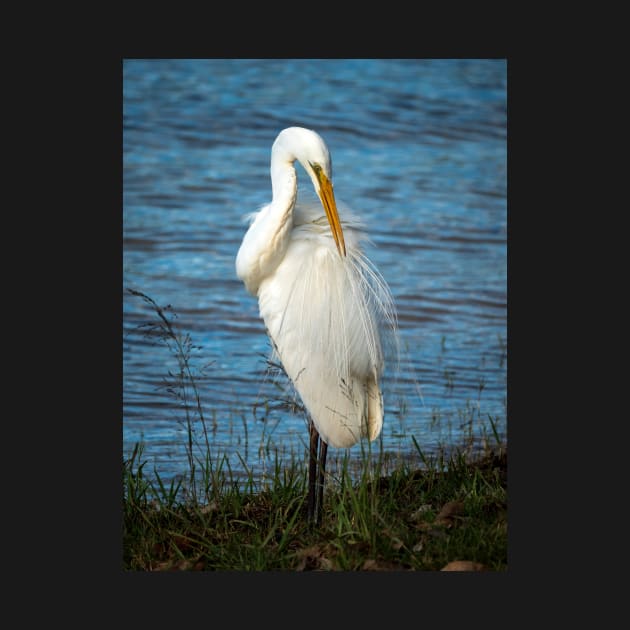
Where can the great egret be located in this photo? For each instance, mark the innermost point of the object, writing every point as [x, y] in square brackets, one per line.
[327, 310]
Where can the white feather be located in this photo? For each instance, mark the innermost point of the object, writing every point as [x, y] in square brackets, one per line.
[327, 315]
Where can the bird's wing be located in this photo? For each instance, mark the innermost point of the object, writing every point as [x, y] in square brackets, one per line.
[321, 312]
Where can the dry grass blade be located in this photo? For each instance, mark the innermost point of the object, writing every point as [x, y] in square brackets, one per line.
[449, 512]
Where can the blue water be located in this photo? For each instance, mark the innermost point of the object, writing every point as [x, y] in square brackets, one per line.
[418, 150]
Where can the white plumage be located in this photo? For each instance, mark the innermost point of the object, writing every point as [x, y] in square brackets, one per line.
[327, 310]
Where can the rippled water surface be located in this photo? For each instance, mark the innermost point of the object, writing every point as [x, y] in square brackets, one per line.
[419, 151]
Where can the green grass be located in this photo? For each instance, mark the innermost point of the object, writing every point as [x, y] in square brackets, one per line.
[421, 515]
[411, 519]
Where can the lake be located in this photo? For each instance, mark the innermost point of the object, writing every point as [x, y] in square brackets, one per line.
[419, 151]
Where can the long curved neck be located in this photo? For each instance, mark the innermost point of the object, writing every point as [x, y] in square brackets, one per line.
[267, 239]
[283, 177]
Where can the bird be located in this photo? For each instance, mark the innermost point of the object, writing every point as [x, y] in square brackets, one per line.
[328, 311]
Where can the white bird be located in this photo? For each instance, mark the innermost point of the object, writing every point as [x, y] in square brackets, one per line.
[328, 311]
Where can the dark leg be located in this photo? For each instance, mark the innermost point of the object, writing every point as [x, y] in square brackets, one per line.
[312, 471]
[320, 490]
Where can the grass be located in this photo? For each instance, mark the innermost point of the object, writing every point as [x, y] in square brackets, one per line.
[412, 519]
[423, 515]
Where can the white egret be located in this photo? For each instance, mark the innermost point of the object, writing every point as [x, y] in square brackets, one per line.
[328, 311]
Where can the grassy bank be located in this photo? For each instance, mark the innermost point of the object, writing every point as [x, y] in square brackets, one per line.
[448, 512]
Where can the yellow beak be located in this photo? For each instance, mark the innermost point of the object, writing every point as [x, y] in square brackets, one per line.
[327, 198]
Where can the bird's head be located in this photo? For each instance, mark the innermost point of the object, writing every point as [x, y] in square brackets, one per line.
[310, 150]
